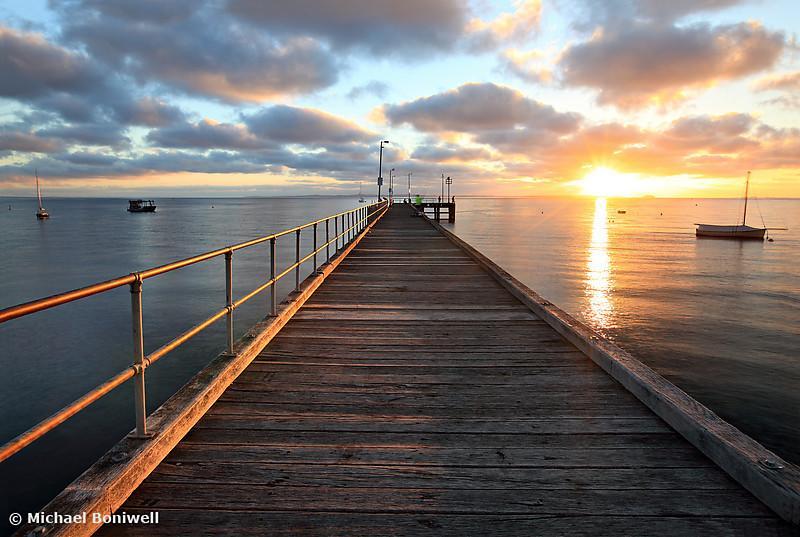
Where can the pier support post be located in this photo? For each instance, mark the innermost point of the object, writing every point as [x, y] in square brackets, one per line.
[140, 400]
[273, 293]
[229, 298]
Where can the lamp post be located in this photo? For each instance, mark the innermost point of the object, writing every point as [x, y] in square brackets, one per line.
[409, 187]
[449, 182]
[391, 184]
[442, 195]
[380, 169]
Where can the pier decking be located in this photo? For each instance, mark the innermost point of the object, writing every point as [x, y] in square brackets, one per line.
[413, 394]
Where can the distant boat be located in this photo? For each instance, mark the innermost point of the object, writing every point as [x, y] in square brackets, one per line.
[42, 213]
[141, 206]
[742, 231]
[360, 195]
[621, 212]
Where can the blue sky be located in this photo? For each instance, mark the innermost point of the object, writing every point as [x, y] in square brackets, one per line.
[238, 97]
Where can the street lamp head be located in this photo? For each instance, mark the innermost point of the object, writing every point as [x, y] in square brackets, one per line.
[386, 141]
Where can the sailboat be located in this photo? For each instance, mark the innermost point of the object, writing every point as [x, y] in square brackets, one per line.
[42, 213]
[742, 231]
[360, 195]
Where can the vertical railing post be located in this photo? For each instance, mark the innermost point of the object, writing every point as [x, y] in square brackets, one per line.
[344, 234]
[336, 234]
[327, 241]
[229, 297]
[273, 292]
[138, 358]
[315, 246]
[349, 228]
[297, 260]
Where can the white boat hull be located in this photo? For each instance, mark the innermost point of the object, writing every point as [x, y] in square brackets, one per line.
[730, 232]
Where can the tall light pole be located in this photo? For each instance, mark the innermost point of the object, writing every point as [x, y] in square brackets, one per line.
[442, 196]
[380, 169]
[391, 184]
[449, 182]
[409, 187]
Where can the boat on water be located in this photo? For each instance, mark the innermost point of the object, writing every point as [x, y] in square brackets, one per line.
[42, 213]
[739, 231]
[141, 206]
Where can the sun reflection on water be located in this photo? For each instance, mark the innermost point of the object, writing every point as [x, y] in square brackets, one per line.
[598, 270]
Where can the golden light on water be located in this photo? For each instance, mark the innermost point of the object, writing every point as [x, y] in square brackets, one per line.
[598, 269]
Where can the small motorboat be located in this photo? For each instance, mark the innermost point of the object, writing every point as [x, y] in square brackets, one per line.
[42, 213]
[141, 206]
[742, 231]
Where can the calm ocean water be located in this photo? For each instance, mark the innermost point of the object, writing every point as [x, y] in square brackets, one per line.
[719, 318]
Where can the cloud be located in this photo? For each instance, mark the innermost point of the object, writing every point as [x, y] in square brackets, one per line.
[197, 49]
[644, 65]
[205, 134]
[99, 134]
[782, 82]
[288, 124]
[788, 87]
[374, 87]
[518, 25]
[589, 14]
[28, 143]
[479, 107]
[33, 67]
[449, 152]
[525, 65]
[378, 27]
[148, 111]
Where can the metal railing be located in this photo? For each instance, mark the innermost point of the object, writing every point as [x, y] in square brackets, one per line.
[352, 223]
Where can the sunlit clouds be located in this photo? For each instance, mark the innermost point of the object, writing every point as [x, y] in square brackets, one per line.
[518, 97]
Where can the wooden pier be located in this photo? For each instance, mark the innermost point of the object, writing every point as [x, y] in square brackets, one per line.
[417, 391]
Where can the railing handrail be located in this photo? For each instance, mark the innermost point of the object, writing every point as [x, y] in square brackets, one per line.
[357, 220]
[26, 308]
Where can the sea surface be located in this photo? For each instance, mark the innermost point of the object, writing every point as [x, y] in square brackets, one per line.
[719, 318]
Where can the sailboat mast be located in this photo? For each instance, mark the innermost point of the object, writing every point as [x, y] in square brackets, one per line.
[746, 192]
[38, 192]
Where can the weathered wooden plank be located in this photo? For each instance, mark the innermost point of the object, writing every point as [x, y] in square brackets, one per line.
[510, 314]
[389, 412]
[522, 376]
[228, 435]
[443, 477]
[360, 423]
[333, 524]
[435, 501]
[432, 402]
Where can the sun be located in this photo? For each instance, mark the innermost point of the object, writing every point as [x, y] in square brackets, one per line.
[605, 182]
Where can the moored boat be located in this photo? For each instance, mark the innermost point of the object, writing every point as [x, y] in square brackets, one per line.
[42, 213]
[742, 231]
[141, 206]
[730, 232]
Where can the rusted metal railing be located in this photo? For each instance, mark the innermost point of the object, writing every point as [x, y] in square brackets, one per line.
[358, 219]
